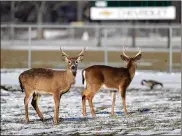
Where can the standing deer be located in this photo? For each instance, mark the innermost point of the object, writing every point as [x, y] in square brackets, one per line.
[47, 81]
[98, 76]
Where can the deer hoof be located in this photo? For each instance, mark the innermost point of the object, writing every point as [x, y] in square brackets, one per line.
[93, 115]
[112, 114]
[126, 115]
[56, 122]
[84, 114]
[42, 119]
[27, 121]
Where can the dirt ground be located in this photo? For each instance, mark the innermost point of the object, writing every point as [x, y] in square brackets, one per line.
[151, 112]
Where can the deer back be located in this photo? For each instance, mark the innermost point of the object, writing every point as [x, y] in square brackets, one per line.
[109, 77]
[44, 79]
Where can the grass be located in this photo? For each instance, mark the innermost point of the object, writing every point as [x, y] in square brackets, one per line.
[52, 59]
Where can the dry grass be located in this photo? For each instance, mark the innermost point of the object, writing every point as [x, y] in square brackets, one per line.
[52, 59]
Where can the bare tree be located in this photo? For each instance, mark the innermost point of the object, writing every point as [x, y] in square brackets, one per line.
[40, 7]
[12, 18]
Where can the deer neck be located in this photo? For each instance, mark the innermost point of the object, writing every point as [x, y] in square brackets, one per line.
[131, 69]
[70, 76]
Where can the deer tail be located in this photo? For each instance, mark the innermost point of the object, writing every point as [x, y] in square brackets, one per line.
[20, 82]
[83, 78]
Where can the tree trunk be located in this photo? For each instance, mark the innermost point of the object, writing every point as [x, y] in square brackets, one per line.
[79, 10]
[40, 10]
[12, 20]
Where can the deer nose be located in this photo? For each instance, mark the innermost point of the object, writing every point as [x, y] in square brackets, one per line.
[73, 67]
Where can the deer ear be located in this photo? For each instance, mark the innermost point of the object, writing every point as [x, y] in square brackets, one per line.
[64, 58]
[80, 58]
[124, 58]
[138, 57]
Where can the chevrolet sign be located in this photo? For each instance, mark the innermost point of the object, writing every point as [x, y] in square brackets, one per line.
[134, 13]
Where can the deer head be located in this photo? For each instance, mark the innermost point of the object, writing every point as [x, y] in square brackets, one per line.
[72, 61]
[131, 61]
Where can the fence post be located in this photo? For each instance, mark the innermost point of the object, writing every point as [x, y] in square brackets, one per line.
[134, 36]
[105, 48]
[98, 35]
[12, 33]
[29, 44]
[170, 50]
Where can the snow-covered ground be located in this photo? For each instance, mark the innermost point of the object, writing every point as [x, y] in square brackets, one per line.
[151, 111]
[170, 80]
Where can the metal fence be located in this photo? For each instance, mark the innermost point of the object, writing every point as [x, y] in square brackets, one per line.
[94, 36]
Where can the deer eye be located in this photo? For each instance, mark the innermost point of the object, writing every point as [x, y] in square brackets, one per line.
[69, 62]
[76, 62]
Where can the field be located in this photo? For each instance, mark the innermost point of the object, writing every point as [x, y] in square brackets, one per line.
[151, 112]
[158, 60]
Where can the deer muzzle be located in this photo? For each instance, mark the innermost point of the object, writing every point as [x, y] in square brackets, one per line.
[73, 68]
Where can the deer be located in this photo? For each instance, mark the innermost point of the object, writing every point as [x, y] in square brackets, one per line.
[103, 76]
[38, 81]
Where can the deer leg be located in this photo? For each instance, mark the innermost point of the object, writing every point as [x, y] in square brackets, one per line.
[56, 108]
[84, 105]
[90, 98]
[113, 102]
[35, 106]
[85, 95]
[123, 95]
[26, 100]
[91, 92]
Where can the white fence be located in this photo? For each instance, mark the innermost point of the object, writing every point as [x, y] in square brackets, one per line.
[93, 36]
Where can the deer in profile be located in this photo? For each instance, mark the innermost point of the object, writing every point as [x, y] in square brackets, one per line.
[37, 81]
[101, 76]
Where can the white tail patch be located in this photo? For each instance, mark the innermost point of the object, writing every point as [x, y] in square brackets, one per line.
[104, 86]
[85, 82]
